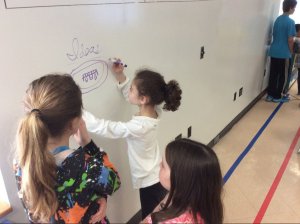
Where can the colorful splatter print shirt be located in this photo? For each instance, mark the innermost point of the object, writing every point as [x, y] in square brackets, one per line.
[83, 177]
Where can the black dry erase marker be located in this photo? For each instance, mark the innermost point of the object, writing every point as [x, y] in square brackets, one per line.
[117, 62]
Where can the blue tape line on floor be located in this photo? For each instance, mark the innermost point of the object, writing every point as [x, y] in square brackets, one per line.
[249, 146]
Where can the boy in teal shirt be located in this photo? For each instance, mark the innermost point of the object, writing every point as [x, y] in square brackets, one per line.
[281, 51]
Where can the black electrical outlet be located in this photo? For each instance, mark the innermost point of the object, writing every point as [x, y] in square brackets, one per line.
[241, 91]
[234, 96]
[178, 137]
[202, 52]
[189, 132]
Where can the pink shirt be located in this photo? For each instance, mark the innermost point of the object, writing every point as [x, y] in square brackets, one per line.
[186, 217]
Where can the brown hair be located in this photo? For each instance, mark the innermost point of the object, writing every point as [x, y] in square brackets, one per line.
[51, 101]
[288, 4]
[196, 183]
[152, 84]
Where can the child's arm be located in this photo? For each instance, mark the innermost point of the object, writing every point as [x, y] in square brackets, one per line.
[125, 87]
[297, 40]
[108, 178]
[96, 218]
[113, 129]
[107, 181]
[291, 44]
[82, 136]
[117, 68]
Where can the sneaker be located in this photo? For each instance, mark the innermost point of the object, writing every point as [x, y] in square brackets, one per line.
[286, 96]
[269, 98]
[281, 100]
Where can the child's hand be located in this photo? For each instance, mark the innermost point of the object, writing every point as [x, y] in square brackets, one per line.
[117, 68]
[101, 212]
[82, 136]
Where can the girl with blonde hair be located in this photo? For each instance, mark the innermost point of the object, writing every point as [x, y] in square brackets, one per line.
[57, 183]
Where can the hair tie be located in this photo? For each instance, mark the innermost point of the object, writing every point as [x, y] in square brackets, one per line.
[35, 110]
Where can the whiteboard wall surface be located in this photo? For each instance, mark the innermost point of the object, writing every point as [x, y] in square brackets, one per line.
[165, 36]
[14, 4]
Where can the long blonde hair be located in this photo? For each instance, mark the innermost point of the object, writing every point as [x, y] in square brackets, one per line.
[51, 101]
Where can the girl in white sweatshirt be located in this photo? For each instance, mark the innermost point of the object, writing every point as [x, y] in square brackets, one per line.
[147, 90]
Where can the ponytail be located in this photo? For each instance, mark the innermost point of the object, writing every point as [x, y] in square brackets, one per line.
[153, 85]
[38, 168]
[51, 102]
[172, 96]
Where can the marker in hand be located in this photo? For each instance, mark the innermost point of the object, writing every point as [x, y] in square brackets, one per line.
[117, 62]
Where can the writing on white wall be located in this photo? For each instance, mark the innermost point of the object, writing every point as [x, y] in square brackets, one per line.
[88, 72]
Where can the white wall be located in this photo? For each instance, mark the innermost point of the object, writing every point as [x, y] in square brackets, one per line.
[165, 36]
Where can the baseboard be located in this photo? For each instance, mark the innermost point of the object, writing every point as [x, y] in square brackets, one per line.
[137, 218]
[236, 119]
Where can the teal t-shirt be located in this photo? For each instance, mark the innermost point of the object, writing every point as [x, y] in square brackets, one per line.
[284, 27]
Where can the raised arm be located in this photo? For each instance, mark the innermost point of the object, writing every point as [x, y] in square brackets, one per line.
[104, 173]
[117, 69]
[106, 178]
[125, 87]
[112, 129]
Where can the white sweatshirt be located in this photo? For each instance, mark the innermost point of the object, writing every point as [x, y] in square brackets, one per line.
[140, 134]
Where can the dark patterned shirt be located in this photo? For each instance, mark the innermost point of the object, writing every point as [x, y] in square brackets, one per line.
[83, 177]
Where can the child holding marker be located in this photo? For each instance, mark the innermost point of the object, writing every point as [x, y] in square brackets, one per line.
[147, 90]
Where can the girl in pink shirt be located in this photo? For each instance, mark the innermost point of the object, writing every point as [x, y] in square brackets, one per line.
[191, 172]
